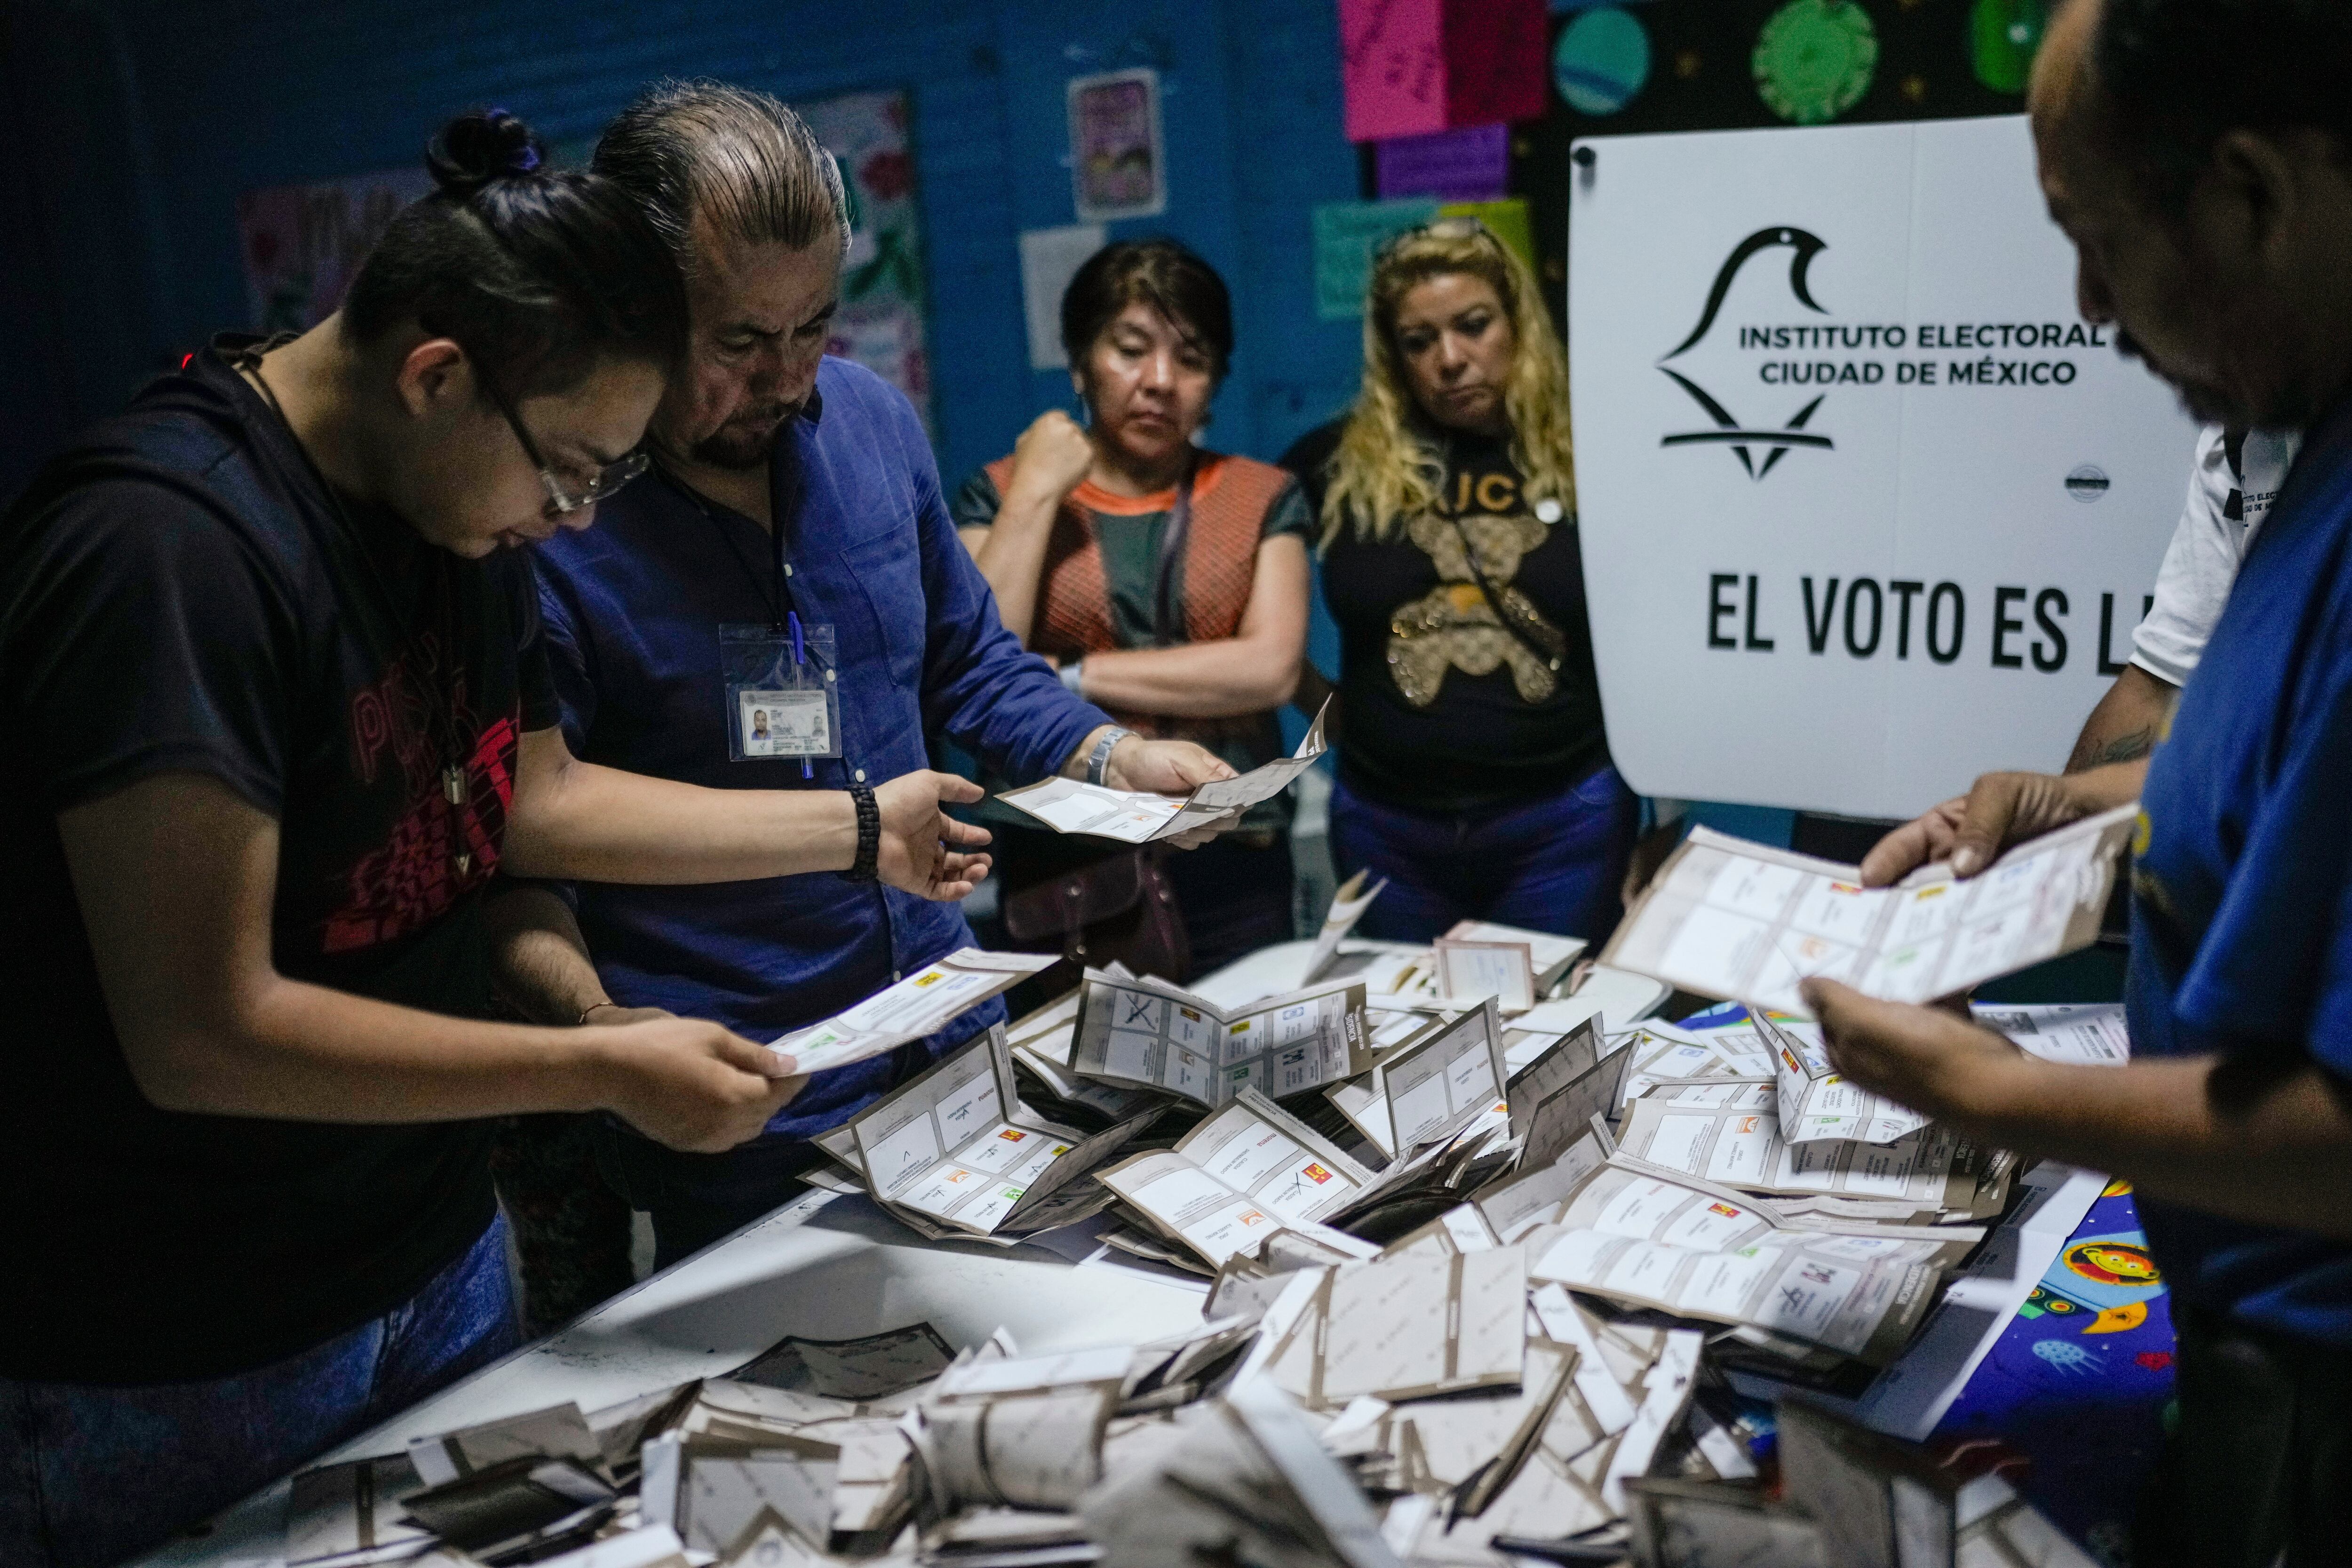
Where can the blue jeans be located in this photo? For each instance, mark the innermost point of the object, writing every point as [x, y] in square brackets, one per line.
[1552, 864]
[90, 1475]
[696, 1199]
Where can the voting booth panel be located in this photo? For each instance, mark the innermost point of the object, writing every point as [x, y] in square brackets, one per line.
[1867, 509]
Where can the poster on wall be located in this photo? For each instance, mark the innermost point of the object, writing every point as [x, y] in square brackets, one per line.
[884, 308]
[1866, 508]
[1117, 165]
[301, 244]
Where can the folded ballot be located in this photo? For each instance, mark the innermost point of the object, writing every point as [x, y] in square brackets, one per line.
[1145, 1033]
[1142, 816]
[1931, 1168]
[957, 1146]
[1727, 918]
[1517, 967]
[1443, 1079]
[920, 1005]
[1246, 1171]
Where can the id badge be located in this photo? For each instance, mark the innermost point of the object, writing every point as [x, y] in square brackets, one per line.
[781, 698]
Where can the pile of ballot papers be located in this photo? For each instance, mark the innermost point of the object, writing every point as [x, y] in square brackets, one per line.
[1493, 1278]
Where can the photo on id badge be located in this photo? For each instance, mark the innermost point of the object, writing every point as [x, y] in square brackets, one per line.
[783, 700]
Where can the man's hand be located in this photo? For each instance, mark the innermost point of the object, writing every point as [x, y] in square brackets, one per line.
[2002, 809]
[1935, 1062]
[1171, 767]
[691, 1084]
[1051, 458]
[923, 847]
[1162, 768]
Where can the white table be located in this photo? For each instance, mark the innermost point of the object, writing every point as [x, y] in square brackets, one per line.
[823, 1267]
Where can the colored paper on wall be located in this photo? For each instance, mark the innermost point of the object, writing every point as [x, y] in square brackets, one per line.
[1472, 164]
[303, 243]
[1049, 258]
[1507, 220]
[1117, 167]
[1392, 68]
[1347, 234]
[884, 308]
[1496, 64]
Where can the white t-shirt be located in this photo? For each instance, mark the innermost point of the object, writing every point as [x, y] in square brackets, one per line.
[2223, 510]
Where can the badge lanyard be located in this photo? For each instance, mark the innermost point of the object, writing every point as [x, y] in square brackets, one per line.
[780, 695]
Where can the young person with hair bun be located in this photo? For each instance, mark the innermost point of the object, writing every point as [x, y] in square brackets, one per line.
[278, 712]
[1474, 772]
[1170, 584]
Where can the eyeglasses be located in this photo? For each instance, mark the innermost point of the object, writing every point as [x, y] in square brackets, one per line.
[561, 501]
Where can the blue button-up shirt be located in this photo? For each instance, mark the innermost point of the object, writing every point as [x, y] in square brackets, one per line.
[632, 609]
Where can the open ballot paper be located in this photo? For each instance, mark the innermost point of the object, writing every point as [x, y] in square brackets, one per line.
[1140, 817]
[1440, 1085]
[1727, 918]
[957, 1146]
[1859, 1295]
[1815, 1102]
[1479, 958]
[920, 1005]
[1248, 1171]
[2082, 1035]
[1932, 1168]
[1666, 1053]
[1409, 1326]
[1147, 1032]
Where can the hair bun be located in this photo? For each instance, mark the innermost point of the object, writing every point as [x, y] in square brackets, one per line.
[482, 146]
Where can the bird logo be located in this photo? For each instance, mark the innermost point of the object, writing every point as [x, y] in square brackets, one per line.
[1727, 431]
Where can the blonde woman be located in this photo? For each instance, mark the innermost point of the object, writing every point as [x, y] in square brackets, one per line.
[1474, 772]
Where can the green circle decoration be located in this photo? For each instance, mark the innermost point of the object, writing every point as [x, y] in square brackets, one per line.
[1601, 61]
[1814, 60]
[2002, 37]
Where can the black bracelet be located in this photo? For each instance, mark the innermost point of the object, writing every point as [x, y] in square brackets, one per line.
[869, 835]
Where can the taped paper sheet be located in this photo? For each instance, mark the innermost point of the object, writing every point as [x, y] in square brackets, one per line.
[1727, 918]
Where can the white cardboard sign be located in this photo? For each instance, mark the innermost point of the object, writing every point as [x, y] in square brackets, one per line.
[1866, 508]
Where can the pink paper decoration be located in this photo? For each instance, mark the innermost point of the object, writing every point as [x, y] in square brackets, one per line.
[1412, 67]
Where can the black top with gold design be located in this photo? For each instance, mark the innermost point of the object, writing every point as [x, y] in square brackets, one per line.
[1448, 705]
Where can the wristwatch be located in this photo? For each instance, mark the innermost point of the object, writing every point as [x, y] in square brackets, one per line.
[1100, 758]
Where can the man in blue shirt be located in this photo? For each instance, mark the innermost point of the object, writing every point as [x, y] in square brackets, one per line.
[2199, 152]
[790, 554]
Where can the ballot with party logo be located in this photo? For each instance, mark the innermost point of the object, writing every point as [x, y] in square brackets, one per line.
[1727, 918]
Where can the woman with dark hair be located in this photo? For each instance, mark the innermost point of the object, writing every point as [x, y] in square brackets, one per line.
[1168, 582]
[278, 712]
[1474, 772]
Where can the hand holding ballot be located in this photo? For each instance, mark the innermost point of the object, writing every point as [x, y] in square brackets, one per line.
[1139, 805]
[1727, 917]
[1968, 831]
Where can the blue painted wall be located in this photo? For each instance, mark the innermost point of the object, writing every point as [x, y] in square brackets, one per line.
[140, 120]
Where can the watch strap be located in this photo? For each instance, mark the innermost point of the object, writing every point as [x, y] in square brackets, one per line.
[869, 834]
[1100, 758]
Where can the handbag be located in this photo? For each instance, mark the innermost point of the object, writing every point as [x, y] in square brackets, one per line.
[1121, 908]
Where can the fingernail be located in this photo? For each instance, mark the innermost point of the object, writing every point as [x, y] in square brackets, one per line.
[1966, 862]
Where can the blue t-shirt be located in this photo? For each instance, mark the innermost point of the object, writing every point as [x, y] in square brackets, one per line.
[2243, 888]
[633, 609]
